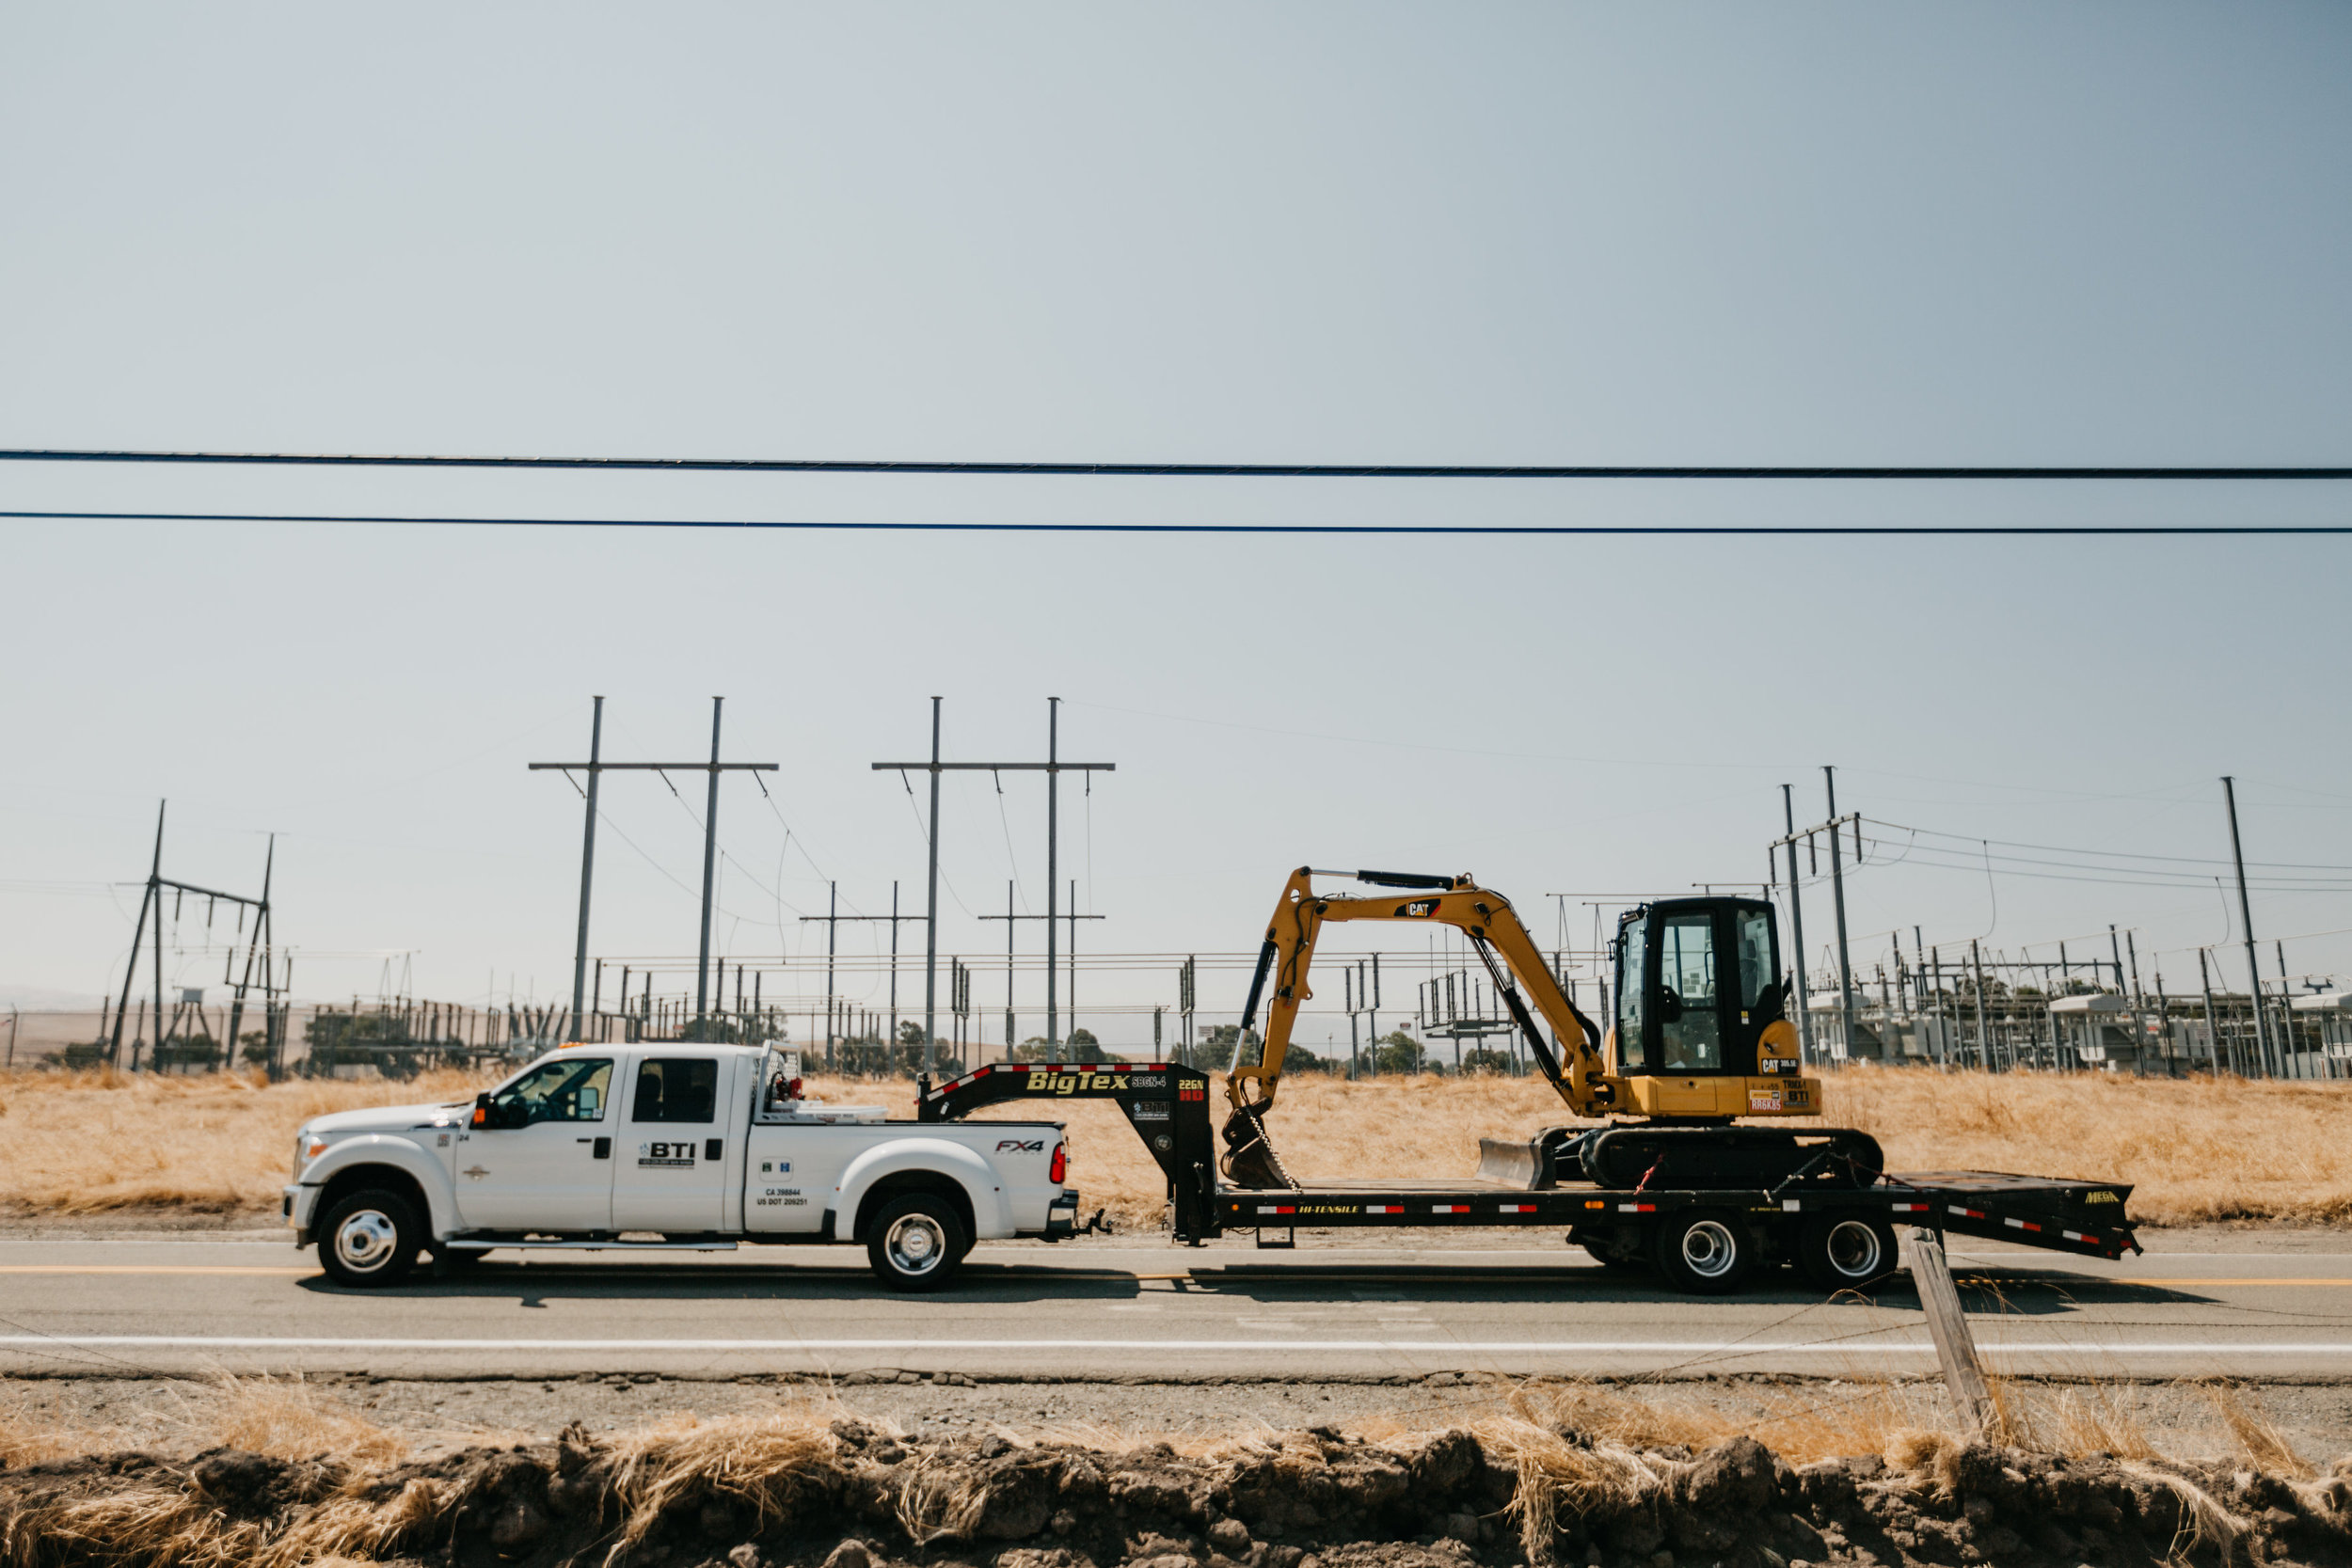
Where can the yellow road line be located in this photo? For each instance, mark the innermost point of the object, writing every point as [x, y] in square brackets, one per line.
[151, 1268]
[2192, 1279]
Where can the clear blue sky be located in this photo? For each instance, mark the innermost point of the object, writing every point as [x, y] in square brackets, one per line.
[2034, 234]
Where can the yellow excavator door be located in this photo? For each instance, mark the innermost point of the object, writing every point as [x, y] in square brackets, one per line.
[1701, 1031]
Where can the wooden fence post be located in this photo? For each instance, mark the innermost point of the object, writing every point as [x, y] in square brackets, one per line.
[1955, 1348]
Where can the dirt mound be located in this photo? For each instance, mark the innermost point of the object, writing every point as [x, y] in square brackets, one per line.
[791, 1490]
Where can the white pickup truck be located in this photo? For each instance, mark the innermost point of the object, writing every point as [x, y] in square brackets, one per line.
[664, 1145]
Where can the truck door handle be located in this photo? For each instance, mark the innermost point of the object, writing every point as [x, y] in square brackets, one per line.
[603, 1149]
[714, 1149]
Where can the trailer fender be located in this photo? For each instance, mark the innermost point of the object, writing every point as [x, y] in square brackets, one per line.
[344, 1158]
[992, 1210]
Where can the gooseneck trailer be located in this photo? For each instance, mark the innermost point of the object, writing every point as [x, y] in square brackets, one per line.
[1834, 1218]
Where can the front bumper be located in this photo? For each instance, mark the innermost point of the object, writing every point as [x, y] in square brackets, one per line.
[297, 1203]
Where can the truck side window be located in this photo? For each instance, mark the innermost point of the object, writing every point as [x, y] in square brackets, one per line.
[573, 1089]
[669, 1088]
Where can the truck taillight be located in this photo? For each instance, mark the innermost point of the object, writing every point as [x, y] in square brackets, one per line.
[1060, 1167]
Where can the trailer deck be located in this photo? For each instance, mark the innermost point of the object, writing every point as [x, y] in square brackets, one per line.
[1168, 1106]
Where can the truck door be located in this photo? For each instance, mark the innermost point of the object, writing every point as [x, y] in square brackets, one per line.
[669, 1170]
[543, 1160]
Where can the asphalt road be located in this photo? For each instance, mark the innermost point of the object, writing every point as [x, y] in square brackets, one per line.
[191, 1303]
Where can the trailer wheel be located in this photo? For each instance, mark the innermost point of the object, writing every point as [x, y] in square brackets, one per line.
[916, 1244]
[1708, 1252]
[1846, 1252]
[370, 1239]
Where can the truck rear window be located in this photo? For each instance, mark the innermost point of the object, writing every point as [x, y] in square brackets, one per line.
[670, 1088]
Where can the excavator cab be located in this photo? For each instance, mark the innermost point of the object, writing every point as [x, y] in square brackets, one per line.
[1702, 1023]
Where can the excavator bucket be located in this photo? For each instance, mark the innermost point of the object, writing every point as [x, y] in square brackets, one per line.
[1249, 1158]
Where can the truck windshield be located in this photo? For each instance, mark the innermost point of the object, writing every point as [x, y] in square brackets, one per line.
[572, 1089]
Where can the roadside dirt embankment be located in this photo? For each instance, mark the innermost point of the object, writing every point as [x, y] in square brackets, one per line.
[795, 1488]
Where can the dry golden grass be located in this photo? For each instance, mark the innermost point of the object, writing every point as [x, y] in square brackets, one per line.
[2197, 1150]
[203, 1143]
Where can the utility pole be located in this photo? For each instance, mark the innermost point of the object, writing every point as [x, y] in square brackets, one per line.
[1011, 920]
[1796, 924]
[1052, 870]
[1984, 1047]
[588, 856]
[151, 921]
[597, 764]
[2213, 1023]
[2246, 921]
[833, 918]
[711, 869]
[1052, 767]
[1845, 969]
[1837, 886]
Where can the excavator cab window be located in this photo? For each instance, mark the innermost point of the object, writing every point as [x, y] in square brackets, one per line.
[1690, 1009]
[1697, 981]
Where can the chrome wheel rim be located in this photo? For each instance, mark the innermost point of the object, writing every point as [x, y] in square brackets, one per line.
[1709, 1250]
[915, 1243]
[365, 1241]
[1853, 1249]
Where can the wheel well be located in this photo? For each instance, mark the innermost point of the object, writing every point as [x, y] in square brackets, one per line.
[390, 1178]
[898, 1184]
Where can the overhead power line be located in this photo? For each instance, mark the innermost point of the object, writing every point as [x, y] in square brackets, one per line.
[1538, 529]
[1190, 471]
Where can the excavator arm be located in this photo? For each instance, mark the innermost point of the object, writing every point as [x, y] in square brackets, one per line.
[1573, 1063]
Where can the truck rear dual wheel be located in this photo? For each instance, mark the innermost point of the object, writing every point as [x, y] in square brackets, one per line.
[1846, 1252]
[917, 1243]
[370, 1239]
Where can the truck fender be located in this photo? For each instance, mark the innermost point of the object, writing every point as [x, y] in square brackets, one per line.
[991, 1211]
[385, 1148]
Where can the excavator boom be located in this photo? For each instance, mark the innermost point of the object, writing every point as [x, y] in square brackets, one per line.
[1576, 1068]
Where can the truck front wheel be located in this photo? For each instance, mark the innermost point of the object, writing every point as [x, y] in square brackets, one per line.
[370, 1239]
[916, 1242]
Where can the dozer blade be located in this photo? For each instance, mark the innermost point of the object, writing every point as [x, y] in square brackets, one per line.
[1531, 1165]
[1249, 1157]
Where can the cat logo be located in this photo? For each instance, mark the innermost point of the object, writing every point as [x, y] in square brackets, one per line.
[1420, 909]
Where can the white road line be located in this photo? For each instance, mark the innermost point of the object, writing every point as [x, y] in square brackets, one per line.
[1410, 1347]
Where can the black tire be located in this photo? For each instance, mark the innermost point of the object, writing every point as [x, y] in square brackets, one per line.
[1707, 1251]
[370, 1239]
[917, 1243]
[1846, 1252]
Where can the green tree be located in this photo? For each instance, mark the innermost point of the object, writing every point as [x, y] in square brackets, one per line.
[1219, 1048]
[1398, 1051]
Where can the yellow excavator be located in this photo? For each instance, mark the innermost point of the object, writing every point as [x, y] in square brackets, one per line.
[1701, 1038]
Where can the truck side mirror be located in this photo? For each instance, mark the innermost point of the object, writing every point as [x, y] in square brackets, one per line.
[482, 1109]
